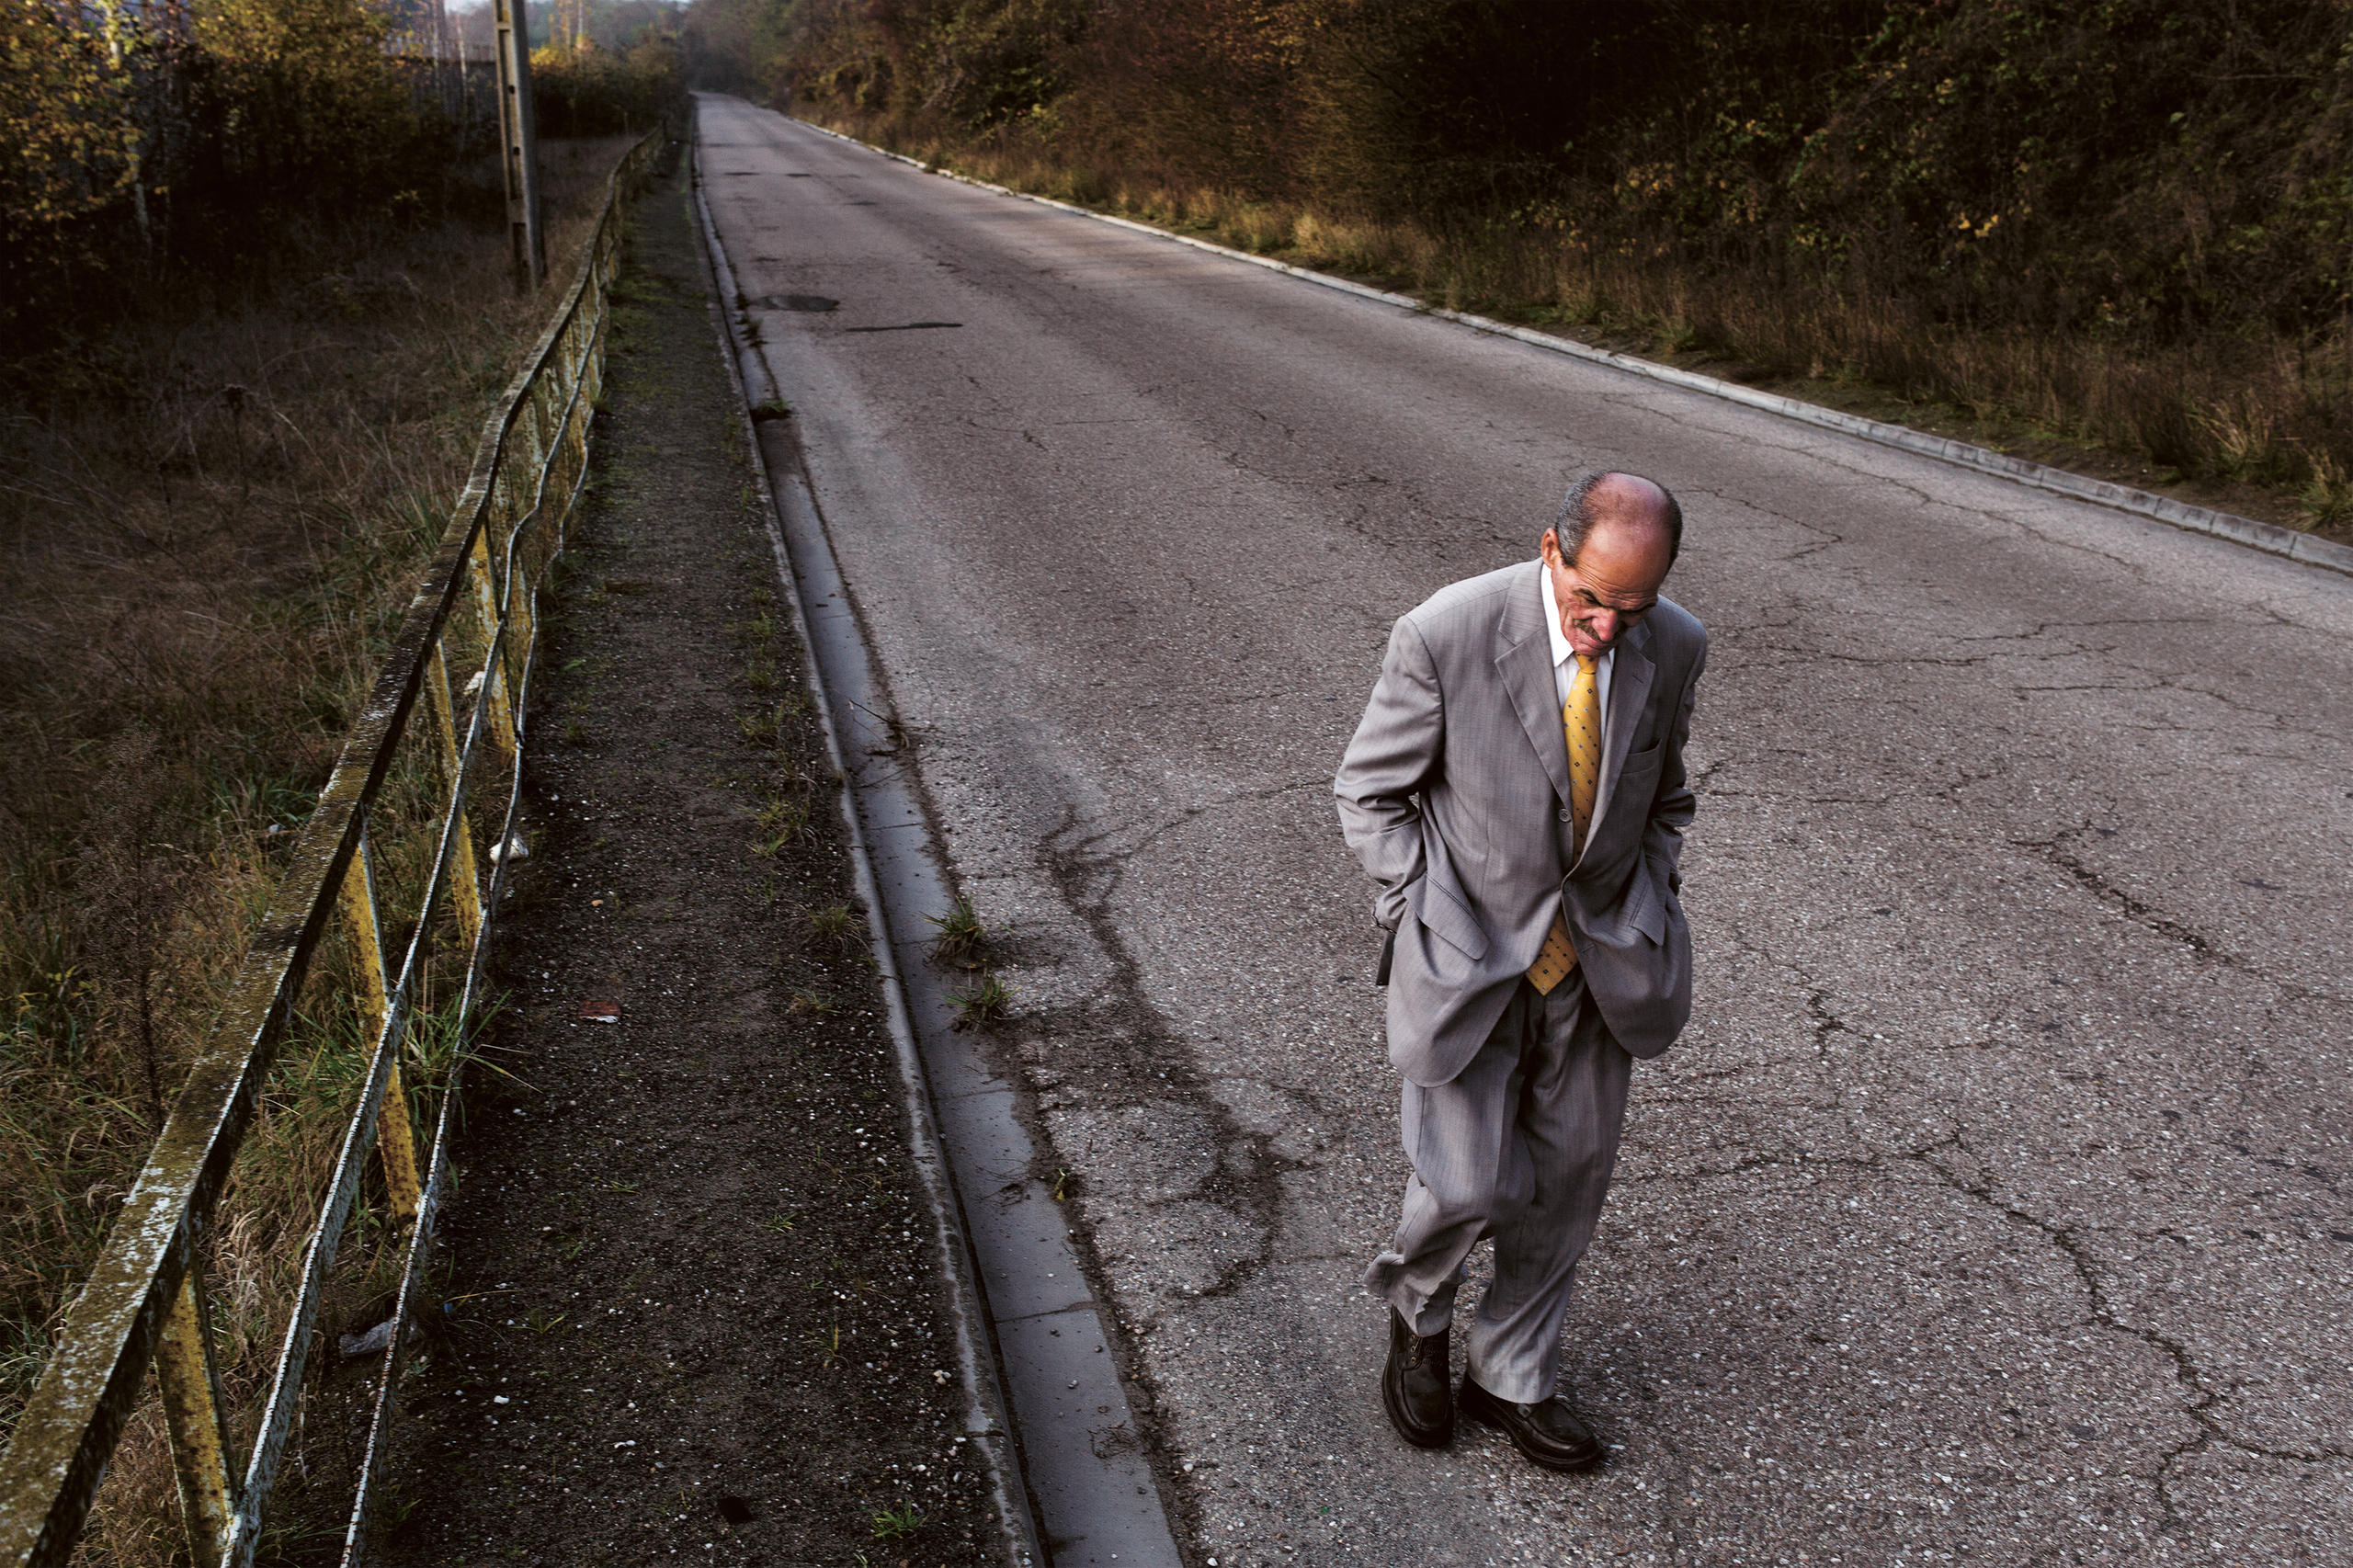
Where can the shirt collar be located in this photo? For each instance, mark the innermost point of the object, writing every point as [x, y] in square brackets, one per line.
[1562, 651]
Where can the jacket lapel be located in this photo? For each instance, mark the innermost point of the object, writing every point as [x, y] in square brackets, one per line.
[1524, 664]
[1630, 692]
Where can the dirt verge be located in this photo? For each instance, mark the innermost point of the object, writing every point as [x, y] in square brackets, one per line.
[691, 1304]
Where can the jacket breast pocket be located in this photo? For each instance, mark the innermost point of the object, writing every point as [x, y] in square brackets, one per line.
[1638, 778]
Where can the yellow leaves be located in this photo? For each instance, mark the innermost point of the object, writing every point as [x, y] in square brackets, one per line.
[66, 140]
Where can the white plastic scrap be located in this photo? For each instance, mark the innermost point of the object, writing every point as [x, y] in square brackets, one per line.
[372, 1343]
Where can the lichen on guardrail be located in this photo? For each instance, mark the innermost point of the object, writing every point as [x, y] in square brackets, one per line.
[396, 844]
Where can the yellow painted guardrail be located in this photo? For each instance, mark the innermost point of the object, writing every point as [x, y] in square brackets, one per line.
[394, 844]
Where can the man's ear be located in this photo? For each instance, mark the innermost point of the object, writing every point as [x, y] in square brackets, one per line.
[1549, 546]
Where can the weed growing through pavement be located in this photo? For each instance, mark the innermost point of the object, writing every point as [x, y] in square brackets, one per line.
[985, 1002]
[961, 938]
[760, 727]
[761, 673]
[781, 823]
[892, 1523]
[834, 924]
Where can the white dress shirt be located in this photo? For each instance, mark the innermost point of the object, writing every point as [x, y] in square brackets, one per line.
[1564, 658]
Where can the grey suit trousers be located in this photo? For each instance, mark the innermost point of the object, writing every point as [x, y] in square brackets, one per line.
[1519, 1146]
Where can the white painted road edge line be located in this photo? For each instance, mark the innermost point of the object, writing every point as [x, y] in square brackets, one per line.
[2271, 538]
[982, 1400]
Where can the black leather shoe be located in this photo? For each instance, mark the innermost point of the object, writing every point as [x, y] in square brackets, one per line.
[1416, 1385]
[1550, 1434]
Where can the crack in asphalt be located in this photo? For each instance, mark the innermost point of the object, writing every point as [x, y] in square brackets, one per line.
[2056, 849]
[2203, 1400]
[1244, 1174]
[2186, 1370]
[1817, 450]
[2133, 569]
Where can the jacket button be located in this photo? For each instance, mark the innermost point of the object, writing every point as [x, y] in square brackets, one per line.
[1564, 814]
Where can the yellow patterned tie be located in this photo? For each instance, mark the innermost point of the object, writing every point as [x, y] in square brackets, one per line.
[1580, 723]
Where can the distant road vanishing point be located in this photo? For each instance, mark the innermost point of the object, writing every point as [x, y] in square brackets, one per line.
[1994, 1207]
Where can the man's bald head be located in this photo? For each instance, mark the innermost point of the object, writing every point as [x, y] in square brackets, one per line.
[1620, 502]
[1607, 556]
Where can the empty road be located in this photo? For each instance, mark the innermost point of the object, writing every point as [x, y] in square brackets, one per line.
[1994, 1207]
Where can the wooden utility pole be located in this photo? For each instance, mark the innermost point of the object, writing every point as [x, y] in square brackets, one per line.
[520, 145]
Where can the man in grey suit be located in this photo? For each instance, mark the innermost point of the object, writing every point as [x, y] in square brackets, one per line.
[1516, 789]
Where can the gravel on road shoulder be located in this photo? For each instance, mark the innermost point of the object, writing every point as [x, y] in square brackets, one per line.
[691, 1302]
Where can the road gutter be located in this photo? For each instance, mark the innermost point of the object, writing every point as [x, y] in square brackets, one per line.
[1090, 1494]
[2270, 538]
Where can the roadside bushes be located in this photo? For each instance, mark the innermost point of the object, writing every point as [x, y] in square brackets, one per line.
[581, 90]
[154, 151]
[2131, 220]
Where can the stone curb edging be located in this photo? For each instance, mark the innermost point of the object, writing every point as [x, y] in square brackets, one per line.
[1078, 1460]
[2271, 538]
[976, 1367]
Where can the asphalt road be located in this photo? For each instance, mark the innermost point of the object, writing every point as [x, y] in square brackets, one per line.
[1992, 1210]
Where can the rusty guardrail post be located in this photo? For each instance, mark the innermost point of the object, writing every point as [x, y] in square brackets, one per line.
[196, 1417]
[465, 880]
[395, 1140]
[492, 673]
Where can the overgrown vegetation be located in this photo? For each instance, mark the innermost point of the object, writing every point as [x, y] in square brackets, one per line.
[2128, 223]
[161, 160]
[583, 89]
[208, 544]
[254, 305]
[256, 301]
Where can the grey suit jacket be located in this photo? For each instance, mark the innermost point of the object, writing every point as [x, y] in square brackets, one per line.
[1454, 796]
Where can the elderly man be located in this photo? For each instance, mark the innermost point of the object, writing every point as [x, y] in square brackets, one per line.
[1515, 790]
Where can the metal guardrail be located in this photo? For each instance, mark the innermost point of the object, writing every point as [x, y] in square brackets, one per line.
[145, 1301]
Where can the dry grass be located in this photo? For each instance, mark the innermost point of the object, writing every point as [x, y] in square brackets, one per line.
[2270, 416]
[210, 530]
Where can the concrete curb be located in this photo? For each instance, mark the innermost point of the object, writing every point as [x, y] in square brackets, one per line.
[983, 1398]
[2270, 538]
[1090, 1481]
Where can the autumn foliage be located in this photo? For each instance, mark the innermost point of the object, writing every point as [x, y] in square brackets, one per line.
[2134, 217]
[133, 137]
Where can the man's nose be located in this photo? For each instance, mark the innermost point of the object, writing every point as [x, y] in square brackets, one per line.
[1605, 626]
